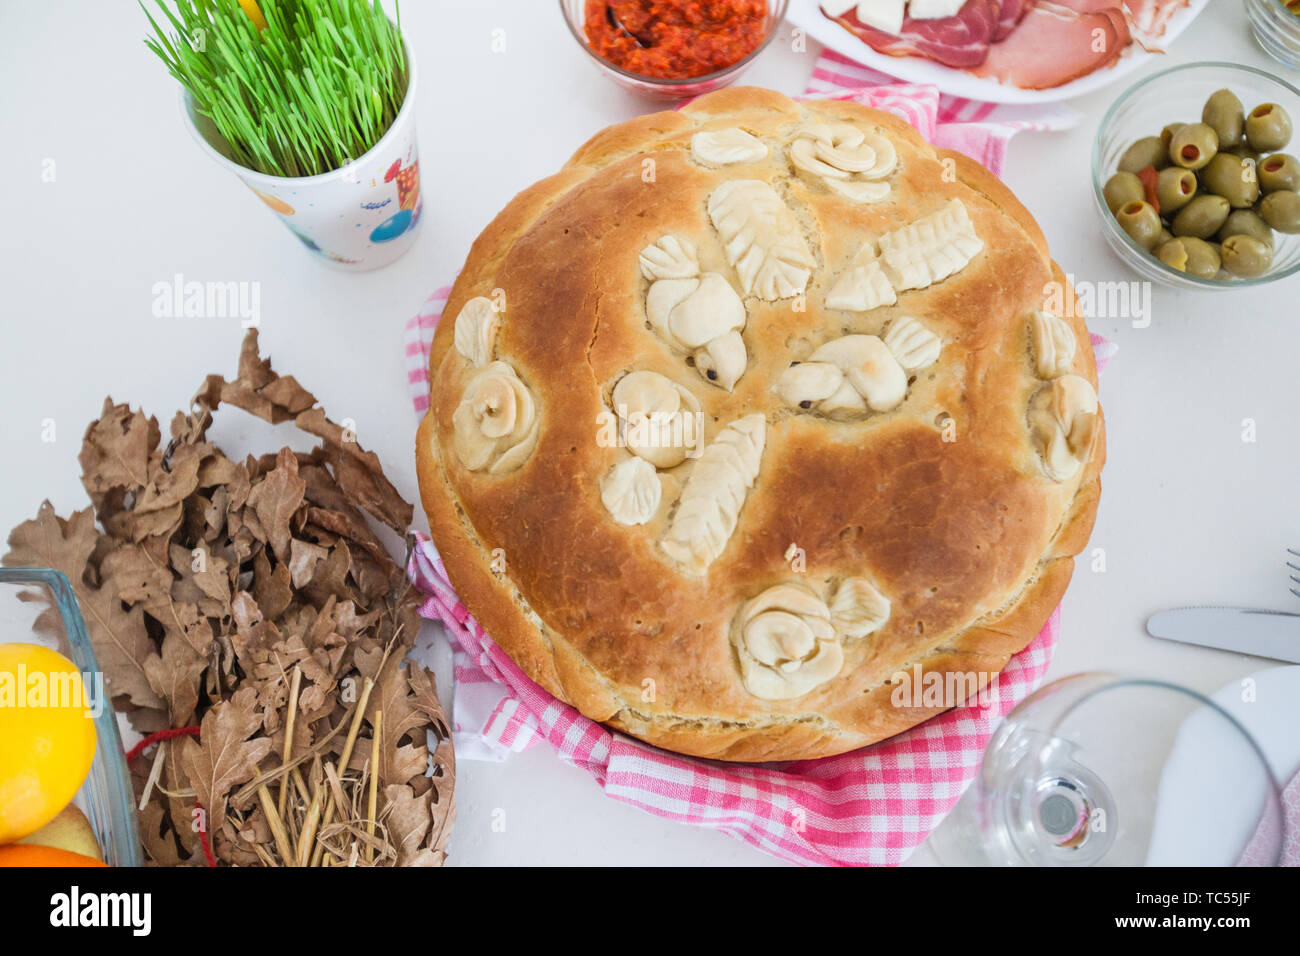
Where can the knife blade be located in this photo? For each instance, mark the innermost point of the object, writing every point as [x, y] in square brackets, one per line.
[1271, 634]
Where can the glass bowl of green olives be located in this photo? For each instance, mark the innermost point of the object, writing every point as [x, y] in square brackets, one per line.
[1196, 177]
[1277, 28]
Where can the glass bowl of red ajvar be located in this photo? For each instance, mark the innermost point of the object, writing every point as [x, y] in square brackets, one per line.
[673, 49]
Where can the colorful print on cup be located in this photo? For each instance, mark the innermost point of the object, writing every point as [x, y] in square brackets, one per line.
[361, 216]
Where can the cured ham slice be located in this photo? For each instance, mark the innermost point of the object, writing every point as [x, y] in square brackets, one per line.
[1150, 18]
[1057, 43]
[960, 41]
[1013, 11]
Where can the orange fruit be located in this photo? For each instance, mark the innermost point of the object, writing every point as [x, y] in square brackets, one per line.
[24, 855]
[47, 737]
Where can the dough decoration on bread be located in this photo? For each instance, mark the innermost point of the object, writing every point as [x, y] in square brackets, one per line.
[476, 330]
[714, 493]
[631, 491]
[785, 643]
[1063, 421]
[858, 609]
[658, 419]
[850, 161]
[696, 312]
[724, 147]
[1054, 345]
[856, 374]
[495, 422]
[914, 256]
[931, 249]
[763, 241]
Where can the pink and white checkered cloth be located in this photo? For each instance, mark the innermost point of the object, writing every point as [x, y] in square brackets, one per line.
[872, 806]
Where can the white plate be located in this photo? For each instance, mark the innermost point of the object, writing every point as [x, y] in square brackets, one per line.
[915, 69]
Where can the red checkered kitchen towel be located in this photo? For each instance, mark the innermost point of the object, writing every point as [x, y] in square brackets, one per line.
[872, 806]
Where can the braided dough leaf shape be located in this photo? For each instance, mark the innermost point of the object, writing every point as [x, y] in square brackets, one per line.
[863, 287]
[930, 249]
[762, 239]
[785, 643]
[915, 346]
[1054, 345]
[476, 330]
[716, 489]
[1063, 423]
[858, 609]
[631, 491]
[724, 147]
[672, 257]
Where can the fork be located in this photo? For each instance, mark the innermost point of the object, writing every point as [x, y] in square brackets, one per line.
[1294, 567]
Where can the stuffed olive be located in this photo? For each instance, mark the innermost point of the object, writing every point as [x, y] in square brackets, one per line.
[1268, 128]
[1279, 171]
[1193, 146]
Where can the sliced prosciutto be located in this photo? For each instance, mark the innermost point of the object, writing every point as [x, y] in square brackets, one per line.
[1059, 41]
[960, 41]
[1013, 11]
[1150, 18]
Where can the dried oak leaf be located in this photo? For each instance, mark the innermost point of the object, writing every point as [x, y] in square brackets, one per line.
[116, 449]
[224, 757]
[174, 675]
[275, 499]
[122, 644]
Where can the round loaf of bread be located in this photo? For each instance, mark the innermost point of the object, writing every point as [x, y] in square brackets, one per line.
[762, 431]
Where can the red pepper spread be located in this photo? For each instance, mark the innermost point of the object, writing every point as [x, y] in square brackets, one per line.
[675, 39]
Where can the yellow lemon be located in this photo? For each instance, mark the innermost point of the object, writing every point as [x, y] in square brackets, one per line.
[47, 737]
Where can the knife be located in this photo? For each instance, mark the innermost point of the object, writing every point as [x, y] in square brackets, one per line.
[1272, 634]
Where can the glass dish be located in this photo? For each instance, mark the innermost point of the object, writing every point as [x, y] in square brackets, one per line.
[1177, 95]
[1099, 769]
[1276, 29]
[659, 89]
[106, 796]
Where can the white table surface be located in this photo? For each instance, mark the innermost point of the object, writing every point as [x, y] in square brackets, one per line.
[1191, 513]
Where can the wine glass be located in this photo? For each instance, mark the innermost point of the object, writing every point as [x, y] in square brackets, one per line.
[1103, 769]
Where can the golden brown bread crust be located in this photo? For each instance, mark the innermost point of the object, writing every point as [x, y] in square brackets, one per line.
[970, 541]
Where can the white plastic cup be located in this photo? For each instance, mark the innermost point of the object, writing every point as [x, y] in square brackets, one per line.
[361, 216]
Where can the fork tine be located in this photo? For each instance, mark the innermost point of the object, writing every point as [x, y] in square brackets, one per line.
[1293, 551]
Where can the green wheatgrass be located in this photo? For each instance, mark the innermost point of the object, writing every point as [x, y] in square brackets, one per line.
[315, 89]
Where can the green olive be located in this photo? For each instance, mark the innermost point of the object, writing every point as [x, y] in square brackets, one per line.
[1268, 128]
[1233, 178]
[1281, 210]
[1167, 134]
[1202, 217]
[1173, 254]
[1189, 254]
[1193, 146]
[1122, 188]
[1148, 151]
[1279, 171]
[1246, 222]
[1141, 221]
[1175, 189]
[1165, 236]
[1226, 116]
[1202, 257]
[1246, 257]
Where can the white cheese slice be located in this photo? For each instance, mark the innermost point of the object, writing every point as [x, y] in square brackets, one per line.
[934, 9]
[837, 8]
[886, 15]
